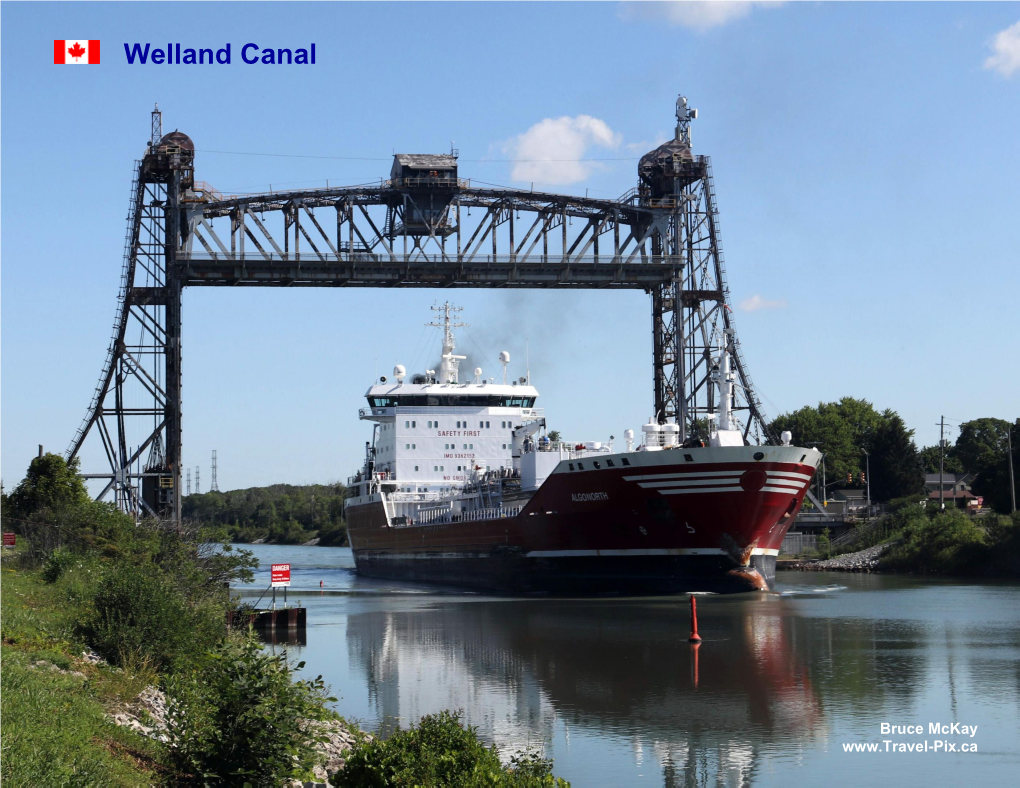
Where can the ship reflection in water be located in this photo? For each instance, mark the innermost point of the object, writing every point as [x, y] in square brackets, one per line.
[519, 669]
[613, 692]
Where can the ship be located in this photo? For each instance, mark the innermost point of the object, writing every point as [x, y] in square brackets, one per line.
[463, 485]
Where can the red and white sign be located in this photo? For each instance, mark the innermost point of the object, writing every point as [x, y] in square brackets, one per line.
[10, 539]
[77, 52]
[280, 575]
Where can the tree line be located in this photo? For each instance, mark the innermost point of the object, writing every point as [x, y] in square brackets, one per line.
[850, 430]
[279, 513]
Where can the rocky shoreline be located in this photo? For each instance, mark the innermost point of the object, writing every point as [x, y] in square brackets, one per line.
[862, 561]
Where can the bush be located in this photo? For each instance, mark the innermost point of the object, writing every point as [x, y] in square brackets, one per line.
[135, 615]
[948, 542]
[239, 719]
[57, 563]
[439, 752]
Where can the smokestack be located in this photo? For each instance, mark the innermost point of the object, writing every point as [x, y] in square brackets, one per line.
[40, 451]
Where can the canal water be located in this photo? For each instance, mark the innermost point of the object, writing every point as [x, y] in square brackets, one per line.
[780, 686]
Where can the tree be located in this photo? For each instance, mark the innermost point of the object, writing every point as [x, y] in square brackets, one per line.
[930, 460]
[846, 427]
[50, 483]
[554, 436]
[981, 444]
[896, 468]
[842, 428]
[993, 480]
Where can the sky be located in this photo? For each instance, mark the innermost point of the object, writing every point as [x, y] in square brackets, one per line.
[866, 160]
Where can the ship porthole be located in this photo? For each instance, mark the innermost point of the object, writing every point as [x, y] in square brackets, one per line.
[758, 455]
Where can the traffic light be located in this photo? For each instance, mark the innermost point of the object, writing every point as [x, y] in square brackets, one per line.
[849, 478]
[862, 478]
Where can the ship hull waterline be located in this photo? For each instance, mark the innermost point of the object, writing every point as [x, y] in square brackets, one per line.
[654, 527]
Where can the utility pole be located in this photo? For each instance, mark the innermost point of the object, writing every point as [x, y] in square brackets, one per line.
[1012, 484]
[942, 460]
[867, 471]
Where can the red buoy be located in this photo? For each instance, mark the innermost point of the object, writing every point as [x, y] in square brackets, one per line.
[695, 637]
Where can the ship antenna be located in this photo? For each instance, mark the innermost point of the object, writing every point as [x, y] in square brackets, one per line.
[450, 363]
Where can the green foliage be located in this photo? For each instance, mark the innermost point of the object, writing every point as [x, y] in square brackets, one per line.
[980, 445]
[846, 427]
[439, 752]
[554, 436]
[137, 615]
[55, 732]
[824, 544]
[54, 728]
[51, 483]
[947, 542]
[895, 465]
[240, 719]
[280, 513]
[993, 480]
[930, 460]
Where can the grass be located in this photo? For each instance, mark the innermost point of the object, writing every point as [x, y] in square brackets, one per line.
[55, 731]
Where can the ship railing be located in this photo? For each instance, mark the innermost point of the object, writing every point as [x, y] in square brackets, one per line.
[415, 497]
[444, 514]
[571, 450]
[527, 414]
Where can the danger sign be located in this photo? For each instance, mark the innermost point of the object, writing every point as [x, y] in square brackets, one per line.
[280, 575]
[10, 539]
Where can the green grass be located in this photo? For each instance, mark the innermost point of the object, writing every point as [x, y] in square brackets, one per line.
[54, 729]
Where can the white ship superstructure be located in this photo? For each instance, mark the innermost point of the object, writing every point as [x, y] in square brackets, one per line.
[439, 439]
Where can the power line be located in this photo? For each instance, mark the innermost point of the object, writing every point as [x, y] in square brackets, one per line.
[390, 158]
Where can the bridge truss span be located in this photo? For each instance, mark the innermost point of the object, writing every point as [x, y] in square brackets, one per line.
[422, 227]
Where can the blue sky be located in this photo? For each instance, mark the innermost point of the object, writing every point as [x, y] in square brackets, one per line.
[867, 165]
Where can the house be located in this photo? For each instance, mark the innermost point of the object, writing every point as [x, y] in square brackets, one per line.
[951, 482]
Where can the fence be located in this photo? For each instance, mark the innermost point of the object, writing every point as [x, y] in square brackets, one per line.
[797, 544]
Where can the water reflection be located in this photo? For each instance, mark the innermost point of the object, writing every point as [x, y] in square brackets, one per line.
[610, 688]
[621, 667]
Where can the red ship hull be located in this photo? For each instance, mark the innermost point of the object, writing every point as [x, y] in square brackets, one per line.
[708, 519]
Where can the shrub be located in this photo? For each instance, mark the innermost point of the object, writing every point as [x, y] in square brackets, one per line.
[439, 752]
[948, 542]
[135, 615]
[239, 719]
[57, 563]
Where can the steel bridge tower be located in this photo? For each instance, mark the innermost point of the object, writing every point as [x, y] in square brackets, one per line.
[414, 229]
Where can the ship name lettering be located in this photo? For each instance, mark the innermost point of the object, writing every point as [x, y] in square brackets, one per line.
[592, 496]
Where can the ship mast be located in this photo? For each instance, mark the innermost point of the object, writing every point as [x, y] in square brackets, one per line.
[450, 364]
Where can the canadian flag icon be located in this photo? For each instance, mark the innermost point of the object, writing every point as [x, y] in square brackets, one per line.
[67, 52]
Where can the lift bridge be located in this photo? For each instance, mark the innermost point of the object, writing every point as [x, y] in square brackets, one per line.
[424, 226]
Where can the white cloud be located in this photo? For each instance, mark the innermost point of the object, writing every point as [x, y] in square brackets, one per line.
[756, 302]
[1006, 46]
[551, 151]
[699, 15]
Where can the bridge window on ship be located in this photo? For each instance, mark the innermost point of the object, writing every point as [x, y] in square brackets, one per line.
[625, 461]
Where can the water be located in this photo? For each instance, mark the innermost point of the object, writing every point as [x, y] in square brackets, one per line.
[613, 692]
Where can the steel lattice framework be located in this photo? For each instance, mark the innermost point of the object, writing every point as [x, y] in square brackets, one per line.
[432, 230]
